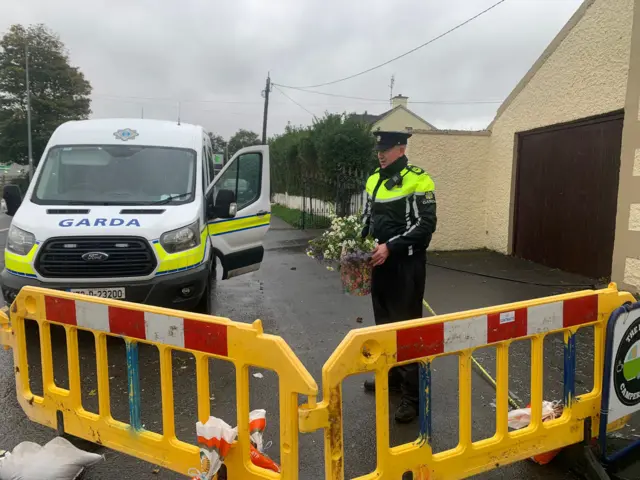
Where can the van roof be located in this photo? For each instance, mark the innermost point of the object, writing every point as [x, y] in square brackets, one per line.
[146, 132]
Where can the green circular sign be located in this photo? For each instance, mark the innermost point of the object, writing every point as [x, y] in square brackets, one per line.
[626, 375]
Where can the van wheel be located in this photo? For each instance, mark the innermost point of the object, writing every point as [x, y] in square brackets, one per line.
[205, 303]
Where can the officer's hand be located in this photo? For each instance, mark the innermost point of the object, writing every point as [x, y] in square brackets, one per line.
[380, 255]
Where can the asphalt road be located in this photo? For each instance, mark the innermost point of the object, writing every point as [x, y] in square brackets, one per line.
[301, 301]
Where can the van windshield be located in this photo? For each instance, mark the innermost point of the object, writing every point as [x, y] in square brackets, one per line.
[116, 175]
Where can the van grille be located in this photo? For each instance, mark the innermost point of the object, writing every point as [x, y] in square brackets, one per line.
[127, 257]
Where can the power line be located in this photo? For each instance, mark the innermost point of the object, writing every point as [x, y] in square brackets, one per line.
[199, 109]
[379, 100]
[455, 102]
[240, 114]
[304, 108]
[132, 101]
[136, 100]
[406, 53]
[375, 100]
[173, 100]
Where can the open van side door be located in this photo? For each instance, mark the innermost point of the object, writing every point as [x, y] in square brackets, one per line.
[237, 234]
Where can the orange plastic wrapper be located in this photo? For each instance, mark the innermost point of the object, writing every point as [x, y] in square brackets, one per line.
[546, 457]
[257, 424]
[261, 460]
[215, 438]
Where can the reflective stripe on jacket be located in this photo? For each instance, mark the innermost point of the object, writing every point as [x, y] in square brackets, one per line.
[401, 207]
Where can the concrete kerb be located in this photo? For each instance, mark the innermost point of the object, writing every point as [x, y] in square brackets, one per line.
[282, 235]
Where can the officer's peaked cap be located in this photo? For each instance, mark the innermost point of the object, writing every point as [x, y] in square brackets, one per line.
[386, 140]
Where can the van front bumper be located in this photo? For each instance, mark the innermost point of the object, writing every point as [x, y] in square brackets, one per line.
[181, 291]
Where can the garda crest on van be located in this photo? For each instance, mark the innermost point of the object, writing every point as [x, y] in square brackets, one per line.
[125, 134]
[99, 222]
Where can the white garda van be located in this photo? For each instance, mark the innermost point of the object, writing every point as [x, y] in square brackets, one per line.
[129, 209]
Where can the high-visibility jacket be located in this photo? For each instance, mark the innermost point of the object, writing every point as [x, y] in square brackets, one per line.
[401, 208]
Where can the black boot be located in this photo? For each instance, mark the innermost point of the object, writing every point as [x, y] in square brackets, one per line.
[406, 412]
[370, 386]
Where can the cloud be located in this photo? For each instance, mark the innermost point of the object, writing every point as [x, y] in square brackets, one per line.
[214, 56]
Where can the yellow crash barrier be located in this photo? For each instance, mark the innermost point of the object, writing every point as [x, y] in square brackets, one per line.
[378, 349]
[204, 336]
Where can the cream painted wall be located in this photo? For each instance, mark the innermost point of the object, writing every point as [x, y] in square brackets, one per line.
[632, 273]
[586, 75]
[626, 251]
[634, 217]
[399, 119]
[456, 162]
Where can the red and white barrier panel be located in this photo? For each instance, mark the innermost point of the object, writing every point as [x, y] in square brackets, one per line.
[178, 332]
[423, 341]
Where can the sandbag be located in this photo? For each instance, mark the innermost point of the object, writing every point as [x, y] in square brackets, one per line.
[57, 460]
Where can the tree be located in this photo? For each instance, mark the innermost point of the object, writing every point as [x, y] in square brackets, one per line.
[59, 91]
[243, 138]
[218, 143]
[342, 142]
[291, 154]
[335, 153]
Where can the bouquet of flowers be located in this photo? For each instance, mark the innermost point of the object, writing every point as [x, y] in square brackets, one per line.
[342, 246]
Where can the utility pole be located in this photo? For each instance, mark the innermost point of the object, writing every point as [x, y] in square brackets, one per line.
[30, 146]
[265, 94]
[142, 111]
[393, 81]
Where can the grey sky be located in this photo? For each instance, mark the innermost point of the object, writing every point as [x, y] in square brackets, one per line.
[162, 51]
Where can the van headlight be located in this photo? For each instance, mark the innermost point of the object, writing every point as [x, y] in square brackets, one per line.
[19, 241]
[181, 239]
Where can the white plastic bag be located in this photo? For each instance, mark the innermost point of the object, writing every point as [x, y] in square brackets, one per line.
[215, 438]
[257, 424]
[57, 460]
[521, 417]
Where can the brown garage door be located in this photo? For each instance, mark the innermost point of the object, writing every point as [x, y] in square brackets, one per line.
[566, 195]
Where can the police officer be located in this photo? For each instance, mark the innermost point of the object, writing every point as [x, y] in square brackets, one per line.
[401, 215]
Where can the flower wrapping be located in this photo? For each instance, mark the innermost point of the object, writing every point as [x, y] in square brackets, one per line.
[257, 424]
[521, 417]
[343, 247]
[355, 273]
[215, 438]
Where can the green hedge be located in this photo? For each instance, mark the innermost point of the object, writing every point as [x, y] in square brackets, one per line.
[318, 153]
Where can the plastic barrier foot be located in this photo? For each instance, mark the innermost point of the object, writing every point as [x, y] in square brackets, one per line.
[582, 460]
[628, 466]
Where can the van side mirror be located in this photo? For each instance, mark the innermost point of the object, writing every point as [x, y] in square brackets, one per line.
[225, 205]
[13, 198]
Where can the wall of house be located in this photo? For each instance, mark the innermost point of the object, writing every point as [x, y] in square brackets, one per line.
[399, 119]
[626, 254]
[457, 163]
[585, 75]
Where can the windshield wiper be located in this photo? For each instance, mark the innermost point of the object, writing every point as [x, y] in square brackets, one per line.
[171, 198]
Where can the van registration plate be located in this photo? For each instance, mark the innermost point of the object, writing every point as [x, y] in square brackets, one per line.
[117, 293]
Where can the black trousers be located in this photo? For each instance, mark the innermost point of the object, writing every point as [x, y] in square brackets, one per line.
[397, 290]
